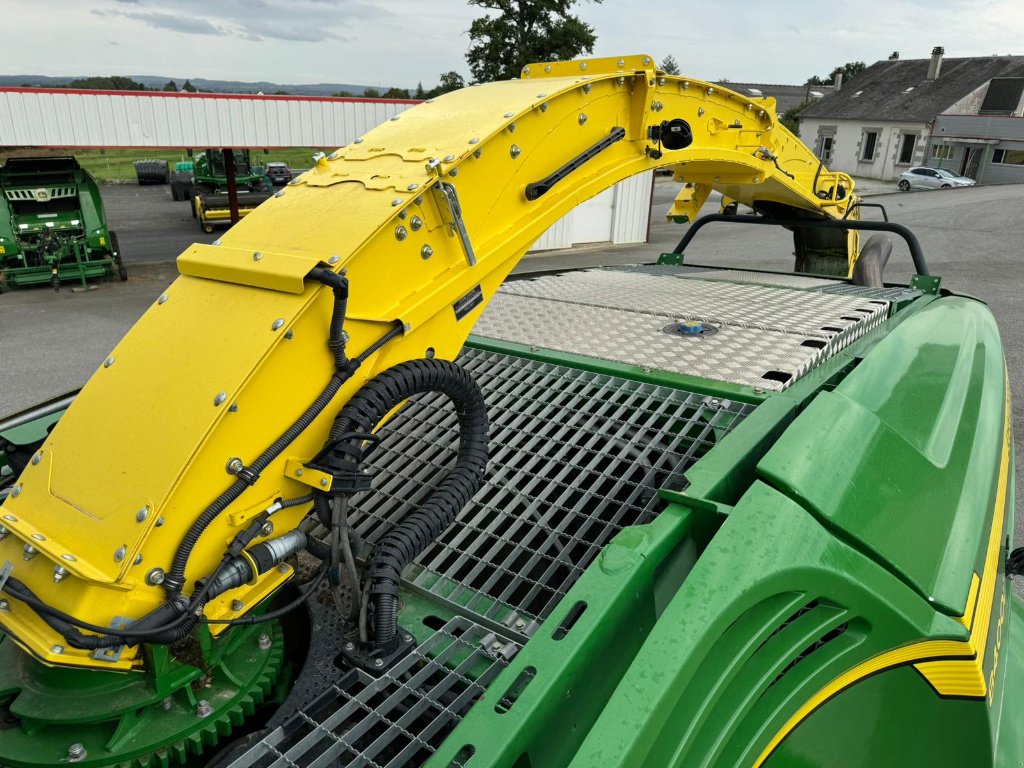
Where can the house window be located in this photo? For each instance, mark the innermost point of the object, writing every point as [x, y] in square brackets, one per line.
[1008, 156]
[907, 148]
[942, 151]
[824, 149]
[868, 145]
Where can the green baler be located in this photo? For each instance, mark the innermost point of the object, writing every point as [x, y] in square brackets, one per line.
[52, 226]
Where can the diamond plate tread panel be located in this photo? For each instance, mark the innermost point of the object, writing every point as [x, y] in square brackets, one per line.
[891, 294]
[575, 457]
[809, 314]
[735, 354]
[798, 282]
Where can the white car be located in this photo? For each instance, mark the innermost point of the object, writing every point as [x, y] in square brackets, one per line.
[932, 178]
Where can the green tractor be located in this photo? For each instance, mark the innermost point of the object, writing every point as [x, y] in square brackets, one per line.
[53, 227]
[206, 187]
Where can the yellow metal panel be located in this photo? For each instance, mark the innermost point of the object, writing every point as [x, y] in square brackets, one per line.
[259, 269]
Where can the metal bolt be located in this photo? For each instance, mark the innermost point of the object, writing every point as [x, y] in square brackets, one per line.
[646, 59]
[416, 223]
[5, 606]
[323, 482]
[547, 67]
[256, 256]
[510, 114]
[155, 577]
[203, 708]
[59, 572]
[334, 259]
[38, 537]
[276, 325]
[402, 215]
[267, 529]
[514, 151]
[661, 81]
[448, 158]
[413, 186]
[401, 232]
[474, 140]
[12, 518]
[426, 251]
[750, 107]
[76, 753]
[583, 65]
[349, 646]
[544, 107]
[298, 472]
[263, 641]
[497, 645]
[282, 568]
[220, 398]
[57, 649]
[700, 111]
[476, 154]
[3, 532]
[396, 202]
[620, 63]
[453, 172]
[28, 552]
[520, 624]
[37, 457]
[108, 362]
[167, 703]
[709, 91]
[159, 522]
[358, 141]
[69, 558]
[526, 70]
[378, 662]
[138, 560]
[237, 605]
[120, 552]
[279, 193]
[141, 515]
[620, 81]
[582, 118]
[587, 87]
[234, 466]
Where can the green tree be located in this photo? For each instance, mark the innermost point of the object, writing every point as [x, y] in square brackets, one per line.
[450, 81]
[371, 93]
[343, 95]
[669, 65]
[171, 86]
[850, 69]
[523, 31]
[420, 93]
[790, 118]
[188, 87]
[114, 83]
[395, 93]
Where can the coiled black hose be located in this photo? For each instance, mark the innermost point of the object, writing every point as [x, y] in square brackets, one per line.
[400, 545]
[175, 578]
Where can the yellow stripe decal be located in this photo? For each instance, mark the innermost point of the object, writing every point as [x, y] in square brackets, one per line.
[962, 675]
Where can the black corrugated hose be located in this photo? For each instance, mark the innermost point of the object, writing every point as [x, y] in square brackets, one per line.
[407, 539]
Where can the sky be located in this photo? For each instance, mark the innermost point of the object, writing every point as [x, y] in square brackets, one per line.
[402, 42]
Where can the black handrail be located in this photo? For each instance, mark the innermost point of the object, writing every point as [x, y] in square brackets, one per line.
[870, 226]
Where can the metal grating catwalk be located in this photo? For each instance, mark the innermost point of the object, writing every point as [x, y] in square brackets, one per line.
[575, 457]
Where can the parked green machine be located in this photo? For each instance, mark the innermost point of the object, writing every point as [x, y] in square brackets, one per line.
[208, 192]
[52, 225]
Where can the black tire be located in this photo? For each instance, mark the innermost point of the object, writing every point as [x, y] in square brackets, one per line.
[904, 185]
[946, 186]
[115, 253]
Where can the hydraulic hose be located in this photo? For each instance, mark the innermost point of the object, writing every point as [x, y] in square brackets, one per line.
[407, 539]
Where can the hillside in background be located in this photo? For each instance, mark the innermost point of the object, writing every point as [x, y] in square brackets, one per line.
[214, 86]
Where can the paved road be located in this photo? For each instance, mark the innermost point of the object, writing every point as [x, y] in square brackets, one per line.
[50, 343]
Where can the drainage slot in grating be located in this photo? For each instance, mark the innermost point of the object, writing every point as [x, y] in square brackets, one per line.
[396, 720]
[575, 457]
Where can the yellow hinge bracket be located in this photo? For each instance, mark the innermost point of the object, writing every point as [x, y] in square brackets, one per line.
[295, 469]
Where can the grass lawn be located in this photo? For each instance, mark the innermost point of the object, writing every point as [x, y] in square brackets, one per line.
[118, 164]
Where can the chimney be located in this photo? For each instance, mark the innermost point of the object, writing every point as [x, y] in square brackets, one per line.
[839, 80]
[894, 56]
[935, 65]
